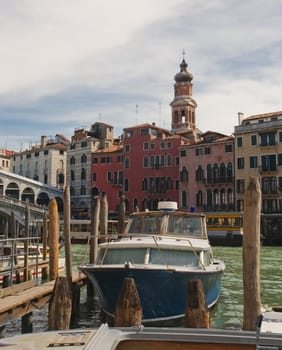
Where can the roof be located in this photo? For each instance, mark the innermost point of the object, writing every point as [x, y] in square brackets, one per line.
[264, 115]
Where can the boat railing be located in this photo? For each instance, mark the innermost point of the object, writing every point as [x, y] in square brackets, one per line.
[14, 255]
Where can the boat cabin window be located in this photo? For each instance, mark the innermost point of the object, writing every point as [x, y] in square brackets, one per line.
[121, 256]
[173, 257]
[146, 224]
[191, 226]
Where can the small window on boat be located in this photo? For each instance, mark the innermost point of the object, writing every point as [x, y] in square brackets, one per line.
[185, 225]
[173, 257]
[121, 256]
[145, 224]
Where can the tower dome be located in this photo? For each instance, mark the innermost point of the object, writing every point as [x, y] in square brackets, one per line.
[183, 76]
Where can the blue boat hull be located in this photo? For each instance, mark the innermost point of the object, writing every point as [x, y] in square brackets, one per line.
[163, 293]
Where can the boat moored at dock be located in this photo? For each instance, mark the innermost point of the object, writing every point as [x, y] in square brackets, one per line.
[162, 251]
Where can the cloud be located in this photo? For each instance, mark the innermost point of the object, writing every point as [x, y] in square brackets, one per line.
[68, 63]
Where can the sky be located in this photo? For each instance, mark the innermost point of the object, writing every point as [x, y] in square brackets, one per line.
[66, 64]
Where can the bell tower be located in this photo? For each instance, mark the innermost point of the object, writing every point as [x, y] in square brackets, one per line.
[183, 105]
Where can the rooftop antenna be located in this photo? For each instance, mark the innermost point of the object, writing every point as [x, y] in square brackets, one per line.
[136, 111]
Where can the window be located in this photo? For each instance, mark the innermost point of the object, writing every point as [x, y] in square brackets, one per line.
[72, 175]
[240, 184]
[280, 159]
[253, 140]
[239, 141]
[268, 162]
[126, 186]
[94, 177]
[95, 160]
[280, 136]
[162, 145]
[240, 163]
[183, 153]
[145, 146]
[126, 163]
[145, 162]
[253, 162]
[198, 151]
[83, 144]
[184, 175]
[72, 146]
[83, 158]
[228, 148]
[207, 150]
[109, 176]
[169, 145]
[267, 139]
[127, 148]
[72, 160]
[199, 173]
[169, 160]
[153, 146]
[83, 174]
[144, 132]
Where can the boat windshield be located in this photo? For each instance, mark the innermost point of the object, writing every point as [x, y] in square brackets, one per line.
[146, 224]
[121, 256]
[190, 226]
[173, 257]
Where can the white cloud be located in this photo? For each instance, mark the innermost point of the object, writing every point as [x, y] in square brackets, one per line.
[67, 63]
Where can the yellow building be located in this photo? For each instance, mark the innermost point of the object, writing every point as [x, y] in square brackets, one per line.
[258, 152]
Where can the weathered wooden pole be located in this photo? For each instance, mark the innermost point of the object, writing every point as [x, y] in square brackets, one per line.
[251, 254]
[121, 214]
[26, 244]
[67, 237]
[44, 245]
[53, 238]
[94, 234]
[104, 217]
[196, 313]
[94, 237]
[60, 305]
[128, 309]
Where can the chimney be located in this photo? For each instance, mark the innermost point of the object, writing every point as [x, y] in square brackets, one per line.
[43, 141]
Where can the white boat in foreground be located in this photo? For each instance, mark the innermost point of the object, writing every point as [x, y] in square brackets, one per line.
[268, 336]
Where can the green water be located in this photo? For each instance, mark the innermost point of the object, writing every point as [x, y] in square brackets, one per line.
[228, 313]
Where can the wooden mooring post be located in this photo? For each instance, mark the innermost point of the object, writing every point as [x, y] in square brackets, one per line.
[128, 309]
[251, 254]
[196, 313]
[53, 238]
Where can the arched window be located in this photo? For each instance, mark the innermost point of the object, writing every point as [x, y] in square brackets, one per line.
[72, 160]
[216, 173]
[184, 175]
[199, 173]
[145, 184]
[209, 174]
[83, 174]
[229, 172]
[83, 158]
[169, 160]
[72, 175]
[82, 191]
[199, 199]
[169, 184]
[222, 172]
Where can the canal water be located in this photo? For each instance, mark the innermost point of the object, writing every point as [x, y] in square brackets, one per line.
[228, 313]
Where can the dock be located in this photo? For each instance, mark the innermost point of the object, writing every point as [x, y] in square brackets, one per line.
[20, 300]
